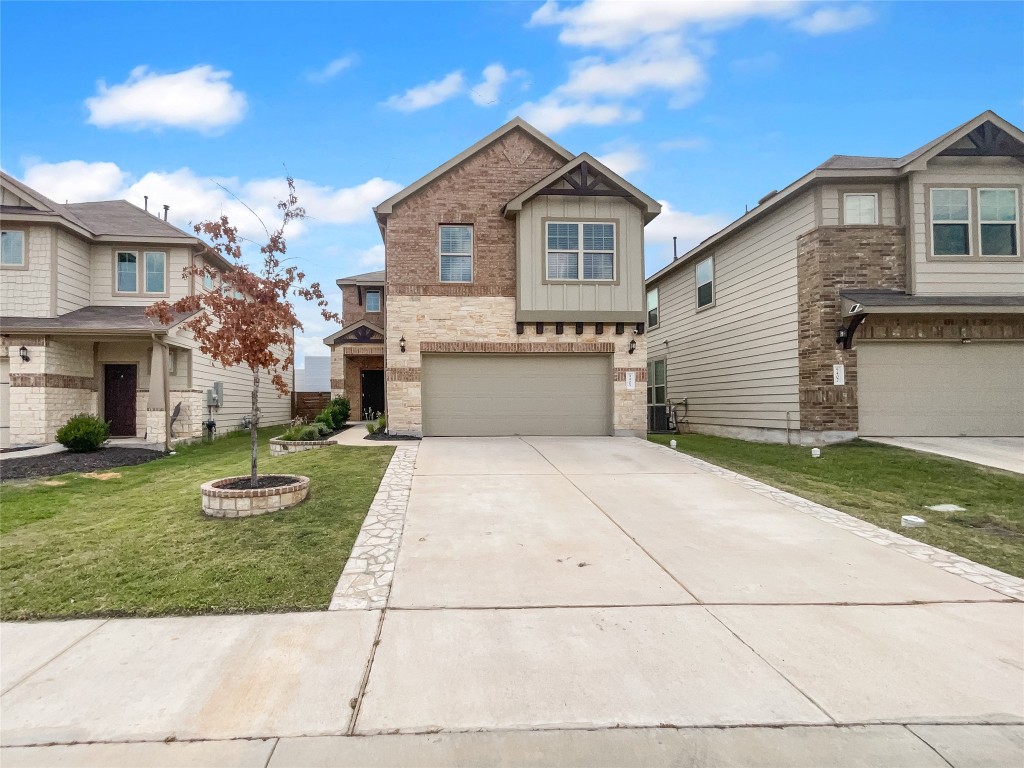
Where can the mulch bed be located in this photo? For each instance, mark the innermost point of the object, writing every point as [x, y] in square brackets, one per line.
[262, 481]
[61, 463]
[385, 436]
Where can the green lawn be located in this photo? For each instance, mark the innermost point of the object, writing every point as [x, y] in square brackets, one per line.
[138, 545]
[880, 483]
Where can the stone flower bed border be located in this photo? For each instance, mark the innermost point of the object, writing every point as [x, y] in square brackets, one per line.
[248, 502]
[279, 447]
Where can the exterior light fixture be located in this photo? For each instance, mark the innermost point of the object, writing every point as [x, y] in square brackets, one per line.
[24, 354]
[841, 334]
[632, 346]
[401, 343]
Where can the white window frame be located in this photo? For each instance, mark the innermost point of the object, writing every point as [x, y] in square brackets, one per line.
[1015, 222]
[117, 282]
[145, 272]
[932, 222]
[579, 253]
[697, 284]
[657, 308]
[442, 254]
[847, 222]
[380, 300]
[23, 263]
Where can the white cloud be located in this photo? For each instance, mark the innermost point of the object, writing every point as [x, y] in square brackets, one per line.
[486, 92]
[430, 94]
[372, 258]
[332, 70]
[553, 113]
[689, 228]
[624, 160]
[76, 181]
[830, 19]
[200, 98]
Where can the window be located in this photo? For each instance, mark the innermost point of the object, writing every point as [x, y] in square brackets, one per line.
[156, 271]
[12, 253]
[706, 282]
[575, 249]
[373, 301]
[997, 214]
[127, 272]
[652, 307]
[456, 253]
[172, 362]
[860, 208]
[951, 222]
[657, 412]
[207, 282]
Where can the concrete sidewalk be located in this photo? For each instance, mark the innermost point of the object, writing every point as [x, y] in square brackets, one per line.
[999, 452]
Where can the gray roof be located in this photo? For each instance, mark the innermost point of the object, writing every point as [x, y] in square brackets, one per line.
[900, 299]
[854, 162]
[366, 277]
[94, 319]
[120, 218]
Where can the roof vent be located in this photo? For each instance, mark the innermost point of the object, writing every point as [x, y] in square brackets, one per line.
[768, 197]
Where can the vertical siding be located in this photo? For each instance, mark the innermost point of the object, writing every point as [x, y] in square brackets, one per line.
[74, 274]
[534, 294]
[832, 202]
[969, 277]
[736, 362]
[103, 274]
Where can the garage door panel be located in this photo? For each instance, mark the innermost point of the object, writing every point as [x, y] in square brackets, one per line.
[481, 394]
[941, 390]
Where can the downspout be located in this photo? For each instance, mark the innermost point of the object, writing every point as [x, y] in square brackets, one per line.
[167, 394]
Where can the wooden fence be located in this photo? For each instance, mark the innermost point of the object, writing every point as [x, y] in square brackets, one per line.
[309, 404]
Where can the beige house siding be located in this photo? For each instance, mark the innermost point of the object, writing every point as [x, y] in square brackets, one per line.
[832, 202]
[8, 197]
[28, 292]
[74, 273]
[620, 300]
[973, 276]
[178, 258]
[735, 362]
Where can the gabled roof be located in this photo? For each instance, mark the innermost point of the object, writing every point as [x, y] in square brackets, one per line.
[516, 123]
[95, 320]
[119, 218]
[605, 181]
[368, 336]
[367, 278]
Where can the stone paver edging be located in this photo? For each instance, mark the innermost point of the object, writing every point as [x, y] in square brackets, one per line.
[366, 581]
[1000, 582]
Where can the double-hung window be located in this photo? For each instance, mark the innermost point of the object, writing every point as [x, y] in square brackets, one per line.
[997, 217]
[373, 301]
[951, 222]
[706, 282]
[580, 251]
[156, 271]
[12, 253]
[860, 208]
[652, 307]
[126, 272]
[456, 253]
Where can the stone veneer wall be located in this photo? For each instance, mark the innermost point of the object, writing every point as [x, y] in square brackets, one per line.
[347, 360]
[490, 321]
[829, 260]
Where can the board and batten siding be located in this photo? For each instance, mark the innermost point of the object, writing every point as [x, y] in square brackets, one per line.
[970, 276]
[178, 257]
[74, 273]
[736, 362]
[618, 301]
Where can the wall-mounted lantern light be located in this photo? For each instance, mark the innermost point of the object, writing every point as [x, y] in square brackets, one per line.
[401, 343]
[632, 346]
[24, 354]
[841, 335]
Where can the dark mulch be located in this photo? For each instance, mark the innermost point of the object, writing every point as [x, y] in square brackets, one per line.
[262, 481]
[61, 463]
[386, 436]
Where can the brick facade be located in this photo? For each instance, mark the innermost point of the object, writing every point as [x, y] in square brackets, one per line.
[352, 311]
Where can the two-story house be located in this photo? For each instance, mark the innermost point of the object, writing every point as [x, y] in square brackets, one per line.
[874, 296]
[75, 281]
[357, 350]
[514, 285]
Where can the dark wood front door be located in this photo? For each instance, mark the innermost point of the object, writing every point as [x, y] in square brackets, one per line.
[373, 391]
[120, 383]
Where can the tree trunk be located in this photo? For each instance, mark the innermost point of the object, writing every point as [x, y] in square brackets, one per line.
[253, 424]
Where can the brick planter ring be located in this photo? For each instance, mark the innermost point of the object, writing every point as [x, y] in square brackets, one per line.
[281, 447]
[226, 502]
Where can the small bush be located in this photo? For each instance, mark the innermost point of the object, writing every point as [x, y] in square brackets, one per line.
[378, 425]
[301, 433]
[336, 413]
[83, 432]
[324, 429]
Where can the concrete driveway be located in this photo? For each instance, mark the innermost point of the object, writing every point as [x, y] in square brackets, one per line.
[999, 452]
[558, 601]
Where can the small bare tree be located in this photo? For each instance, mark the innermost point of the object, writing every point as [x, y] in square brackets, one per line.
[251, 320]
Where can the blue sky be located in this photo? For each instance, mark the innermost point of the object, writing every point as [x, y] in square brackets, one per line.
[704, 106]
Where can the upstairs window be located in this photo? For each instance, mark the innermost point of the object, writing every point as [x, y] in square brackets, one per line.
[373, 301]
[860, 208]
[127, 272]
[951, 222]
[456, 254]
[706, 282]
[12, 253]
[578, 250]
[156, 271]
[652, 307]
[997, 214]
[208, 282]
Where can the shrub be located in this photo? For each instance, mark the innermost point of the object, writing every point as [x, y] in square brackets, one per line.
[336, 413]
[301, 433]
[323, 429]
[83, 432]
[378, 425]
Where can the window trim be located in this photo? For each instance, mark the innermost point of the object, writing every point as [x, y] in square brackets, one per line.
[969, 222]
[24, 249]
[696, 285]
[140, 272]
[657, 307]
[380, 302]
[145, 273]
[974, 230]
[616, 271]
[1015, 222]
[862, 193]
[117, 292]
[472, 255]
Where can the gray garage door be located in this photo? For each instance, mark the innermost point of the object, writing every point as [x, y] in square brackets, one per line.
[941, 389]
[544, 394]
[5, 402]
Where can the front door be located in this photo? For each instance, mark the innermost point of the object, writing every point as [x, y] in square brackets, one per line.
[120, 383]
[373, 392]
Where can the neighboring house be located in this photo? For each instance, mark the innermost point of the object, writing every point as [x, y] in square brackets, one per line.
[357, 350]
[874, 296]
[75, 281]
[315, 374]
[514, 295]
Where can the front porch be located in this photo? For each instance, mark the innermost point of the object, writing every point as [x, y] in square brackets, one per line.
[357, 368]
